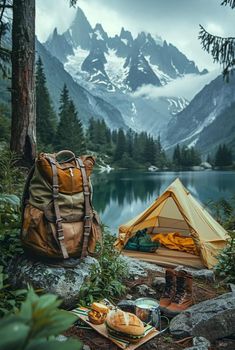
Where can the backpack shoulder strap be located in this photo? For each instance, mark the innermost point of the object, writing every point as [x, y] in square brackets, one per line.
[26, 194]
[55, 195]
[88, 208]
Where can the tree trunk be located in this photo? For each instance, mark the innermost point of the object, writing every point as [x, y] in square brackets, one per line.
[23, 130]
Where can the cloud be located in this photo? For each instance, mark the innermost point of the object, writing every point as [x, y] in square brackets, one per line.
[175, 21]
[51, 14]
[186, 87]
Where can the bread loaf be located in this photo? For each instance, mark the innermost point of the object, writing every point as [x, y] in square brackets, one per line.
[125, 322]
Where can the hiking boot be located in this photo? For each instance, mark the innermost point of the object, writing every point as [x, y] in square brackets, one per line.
[169, 290]
[183, 295]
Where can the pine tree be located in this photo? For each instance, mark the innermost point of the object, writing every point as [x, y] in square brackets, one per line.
[177, 156]
[121, 145]
[70, 133]
[221, 49]
[45, 115]
[223, 156]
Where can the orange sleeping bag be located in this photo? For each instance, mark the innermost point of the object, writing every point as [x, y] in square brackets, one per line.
[176, 242]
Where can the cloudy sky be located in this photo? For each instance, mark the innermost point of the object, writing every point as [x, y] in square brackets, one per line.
[176, 21]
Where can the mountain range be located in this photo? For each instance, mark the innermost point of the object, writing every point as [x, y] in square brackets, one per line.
[104, 75]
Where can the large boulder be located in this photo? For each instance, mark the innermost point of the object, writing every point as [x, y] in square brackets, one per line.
[66, 282]
[212, 319]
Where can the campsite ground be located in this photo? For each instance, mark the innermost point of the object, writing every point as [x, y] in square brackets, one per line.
[202, 290]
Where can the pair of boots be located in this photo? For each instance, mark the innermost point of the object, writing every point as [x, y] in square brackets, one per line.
[177, 295]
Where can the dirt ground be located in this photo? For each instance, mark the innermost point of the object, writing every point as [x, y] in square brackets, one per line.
[201, 291]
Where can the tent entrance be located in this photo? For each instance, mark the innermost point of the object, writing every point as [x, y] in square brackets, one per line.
[170, 219]
[177, 211]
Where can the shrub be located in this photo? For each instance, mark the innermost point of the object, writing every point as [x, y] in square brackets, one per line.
[11, 179]
[224, 212]
[10, 218]
[36, 324]
[226, 261]
[106, 280]
[9, 246]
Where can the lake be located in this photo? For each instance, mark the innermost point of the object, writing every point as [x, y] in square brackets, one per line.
[121, 195]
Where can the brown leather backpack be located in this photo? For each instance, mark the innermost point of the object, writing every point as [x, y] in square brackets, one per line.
[58, 219]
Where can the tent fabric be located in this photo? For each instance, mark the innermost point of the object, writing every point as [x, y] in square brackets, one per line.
[177, 210]
[167, 258]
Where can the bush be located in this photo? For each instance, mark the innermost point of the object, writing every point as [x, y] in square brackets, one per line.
[226, 261]
[36, 324]
[10, 222]
[9, 246]
[224, 212]
[106, 281]
[11, 178]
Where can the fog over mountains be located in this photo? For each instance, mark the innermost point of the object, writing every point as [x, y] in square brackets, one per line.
[109, 77]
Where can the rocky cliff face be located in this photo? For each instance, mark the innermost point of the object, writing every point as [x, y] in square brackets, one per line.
[208, 120]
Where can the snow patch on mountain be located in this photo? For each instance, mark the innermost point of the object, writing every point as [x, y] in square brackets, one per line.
[163, 77]
[98, 35]
[74, 62]
[115, 69]
[176, 105]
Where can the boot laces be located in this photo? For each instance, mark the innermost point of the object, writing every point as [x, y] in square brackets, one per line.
[168, 286]
[180, 290]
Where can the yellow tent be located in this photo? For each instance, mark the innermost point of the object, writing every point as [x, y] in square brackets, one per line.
[176, 210]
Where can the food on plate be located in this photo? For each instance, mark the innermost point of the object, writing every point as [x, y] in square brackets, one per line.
[98, 313]
[124, 325]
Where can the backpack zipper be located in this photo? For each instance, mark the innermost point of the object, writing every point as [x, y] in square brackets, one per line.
[71, 171]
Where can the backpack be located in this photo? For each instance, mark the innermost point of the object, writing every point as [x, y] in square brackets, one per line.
[58, 220]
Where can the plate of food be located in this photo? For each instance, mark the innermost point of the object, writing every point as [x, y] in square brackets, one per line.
[124, 329]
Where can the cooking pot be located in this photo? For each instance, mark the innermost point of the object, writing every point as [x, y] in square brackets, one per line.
[148, 310]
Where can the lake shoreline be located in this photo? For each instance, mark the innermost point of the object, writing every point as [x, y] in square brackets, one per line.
[120, 195]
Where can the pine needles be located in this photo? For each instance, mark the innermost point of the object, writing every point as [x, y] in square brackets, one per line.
[221, 49]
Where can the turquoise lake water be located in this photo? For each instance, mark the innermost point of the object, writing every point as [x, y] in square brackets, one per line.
[121, 195]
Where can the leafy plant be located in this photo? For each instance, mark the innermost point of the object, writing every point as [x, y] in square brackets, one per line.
[11, 178]
[226, 261]
[35, 326]
[9, 246]
[224, 212]
[106, 280]
[9, 227]
[10, 300]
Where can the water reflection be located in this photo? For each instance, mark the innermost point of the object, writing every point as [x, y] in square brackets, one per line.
[119, 196]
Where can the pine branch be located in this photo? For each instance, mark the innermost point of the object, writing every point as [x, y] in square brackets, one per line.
[72, 3]
[221, 49]
[229, 2]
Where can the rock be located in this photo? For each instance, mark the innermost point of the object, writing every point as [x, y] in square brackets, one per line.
[127, 305]
[213, 319]
[61, 338]
[203, 274]
[138, 268]
[232, 287]
[65, 282]
[129, 297]
[86, 347]
[159, 283]
[198, 347]
[144, 291]
[201, 341]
